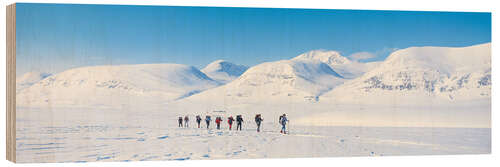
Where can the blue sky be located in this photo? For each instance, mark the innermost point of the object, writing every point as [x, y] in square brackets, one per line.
[54, 37]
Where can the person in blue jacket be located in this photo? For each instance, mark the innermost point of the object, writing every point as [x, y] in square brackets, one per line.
[207, 120]
[283, 120]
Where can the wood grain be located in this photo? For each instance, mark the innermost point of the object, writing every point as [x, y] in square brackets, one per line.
[11, 83]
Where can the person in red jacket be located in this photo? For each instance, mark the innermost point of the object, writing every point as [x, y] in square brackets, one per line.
[230, 121]
[218, 120]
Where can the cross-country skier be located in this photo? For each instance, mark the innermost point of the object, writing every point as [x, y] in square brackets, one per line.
[283, 121]
[230, 121]
[180, 122]
[208, 119]
[239, 120]
[198, 120]
[258, 120]
[186, 120]
[218, 120]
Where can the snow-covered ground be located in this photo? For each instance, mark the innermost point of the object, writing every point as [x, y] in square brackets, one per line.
[96, 135]
[419, 101]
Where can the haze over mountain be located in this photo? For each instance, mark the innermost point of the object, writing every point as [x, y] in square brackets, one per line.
[224, 71]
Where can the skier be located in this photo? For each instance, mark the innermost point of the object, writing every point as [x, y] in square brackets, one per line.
[258, 120]
[180, 122]
[218, 120]
[186, 120]
[283, 121]
[198, 120]
[208, 119]
[239, 120]
[230, 121]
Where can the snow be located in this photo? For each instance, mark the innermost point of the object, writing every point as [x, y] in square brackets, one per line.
[424, 73]
[346, 68]
[419, 101]
[142, 136]
[113, 86]
[224, 71]
[29, 79]
[283, 80]
[331, 58]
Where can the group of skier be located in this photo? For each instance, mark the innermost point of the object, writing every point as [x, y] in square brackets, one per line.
[239, 121]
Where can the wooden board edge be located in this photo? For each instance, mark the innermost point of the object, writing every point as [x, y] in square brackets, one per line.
[11, 83]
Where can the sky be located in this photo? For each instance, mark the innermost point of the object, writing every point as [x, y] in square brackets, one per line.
[56, 37]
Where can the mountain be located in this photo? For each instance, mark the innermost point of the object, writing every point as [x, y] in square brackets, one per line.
[297, 80]
[331, 58]
[29, 79]
[422, 73]
[345, 67]
[116, 85]
[224, 71]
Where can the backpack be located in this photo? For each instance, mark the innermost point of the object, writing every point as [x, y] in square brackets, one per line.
[281, 117]
[283, 120]
[257, 118]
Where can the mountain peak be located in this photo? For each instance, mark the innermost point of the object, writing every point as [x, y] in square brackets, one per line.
[450, 73]
[329, 57]
[346, 68]
[224, 71]
[278, 81]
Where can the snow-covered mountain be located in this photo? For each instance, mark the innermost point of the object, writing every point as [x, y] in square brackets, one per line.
[418, 73]
[116, 85]
[345, 67]
[298, 80]
[415, 73]
[224, 71]
[29, 78]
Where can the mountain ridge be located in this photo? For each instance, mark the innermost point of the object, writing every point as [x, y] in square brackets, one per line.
[107, 84]
[224, 71]
[450, 73]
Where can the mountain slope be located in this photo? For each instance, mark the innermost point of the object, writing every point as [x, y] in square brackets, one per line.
[116, 85]
[224, 71]
[418, 73]
[345, 67]
[29, 79]
[296, 80]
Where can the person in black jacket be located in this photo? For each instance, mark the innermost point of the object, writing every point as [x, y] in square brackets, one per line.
[258, 120]
[198, 120]
[180, 122]
[239, 121]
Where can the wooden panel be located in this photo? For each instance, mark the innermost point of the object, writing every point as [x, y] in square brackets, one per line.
[11, 83]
